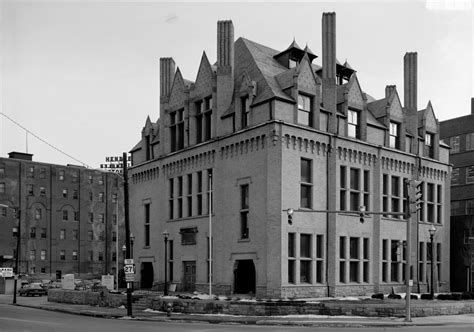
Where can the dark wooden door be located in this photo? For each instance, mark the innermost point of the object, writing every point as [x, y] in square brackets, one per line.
[189, 276]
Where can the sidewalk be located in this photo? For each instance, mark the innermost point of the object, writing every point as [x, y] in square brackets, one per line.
[301, 320]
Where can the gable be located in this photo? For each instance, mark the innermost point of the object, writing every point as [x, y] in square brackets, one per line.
[203, 85]
[430, 119]
[306, 79]
[396, 109]
[177, 91]
[354, 96]
[244, 83]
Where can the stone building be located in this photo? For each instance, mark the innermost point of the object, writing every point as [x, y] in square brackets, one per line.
[459, 133]
[68, 217]
[274, 130]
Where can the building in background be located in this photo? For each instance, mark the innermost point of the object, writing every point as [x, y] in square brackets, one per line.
[273, 130]
[459, 133]
[68, 217]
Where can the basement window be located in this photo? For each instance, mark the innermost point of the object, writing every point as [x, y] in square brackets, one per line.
[188, 235]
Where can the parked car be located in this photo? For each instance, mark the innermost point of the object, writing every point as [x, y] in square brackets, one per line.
[33, 289]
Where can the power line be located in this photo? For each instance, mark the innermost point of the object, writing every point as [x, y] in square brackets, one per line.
[44, 141]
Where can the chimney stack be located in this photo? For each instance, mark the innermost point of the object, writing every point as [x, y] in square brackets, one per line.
[329, 88]
[167, 67]
[389, 90]
[410, 82]
[225, 67]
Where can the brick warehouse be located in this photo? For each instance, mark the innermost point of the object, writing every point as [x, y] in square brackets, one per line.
[459, 132]
[274, 130]
[68, 218]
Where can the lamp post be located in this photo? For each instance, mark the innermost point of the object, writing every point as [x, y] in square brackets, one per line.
[432, 232]
[124, 253]
[17, 256]
[165, 236]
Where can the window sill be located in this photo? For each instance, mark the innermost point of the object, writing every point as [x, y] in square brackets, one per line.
[146, 247]
[243, 240]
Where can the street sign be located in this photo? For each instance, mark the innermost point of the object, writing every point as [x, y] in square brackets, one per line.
[129, 269]
[128, 261]
[129, 277]
[6, 272]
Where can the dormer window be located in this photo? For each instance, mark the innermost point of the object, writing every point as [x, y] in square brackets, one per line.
[245, 114]
[353, 124]
[429, 150]
[304, 110]
[177, 130]
[394, 139]
[203, 119]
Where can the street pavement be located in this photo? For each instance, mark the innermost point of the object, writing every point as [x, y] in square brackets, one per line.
[460, 321]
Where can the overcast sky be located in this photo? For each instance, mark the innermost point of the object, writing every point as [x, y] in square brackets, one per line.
[84, 75]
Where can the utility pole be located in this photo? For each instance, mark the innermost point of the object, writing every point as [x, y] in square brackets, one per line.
[17, 258]
[127, 230]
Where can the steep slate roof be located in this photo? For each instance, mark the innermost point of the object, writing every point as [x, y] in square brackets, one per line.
[378, 107]
[263, 68]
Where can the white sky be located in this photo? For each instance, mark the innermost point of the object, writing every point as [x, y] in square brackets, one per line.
[83, 75]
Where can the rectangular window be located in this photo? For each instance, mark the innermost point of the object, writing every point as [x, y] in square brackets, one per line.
[396, 197]
[354, 259]
[76, 215]
[394, 140]
[43, 233]
[101, 180]
[61, 175]
[3, 211]
[353, 124]
[31, 172]
[323, 121]
[470, 141]
[65, 215]
[75, 234]
[38, 213]
[188, 235]
[395, 260]
[199, 121]
[101, 197]
[64, 193]
[42, 174]
[189, 197]
[75, 194]
[354, 189]
[304, 110]
[305, 258]
[306, 184]
[470, 174]
[177, 130]
[430, 202]
[147, 225]
[319, 258]
[75, 177]
[90, 256]
[454, 143]
[43, 255]
[343, 188]
[365, 260]
[180, 196]
[31, 190]
[114, 256]
[470, 206]
[62, 234]
[91, 217]
[101, 218]
[32, 255]
[244, 111]
[90, 235]
[342, 259]
[62, 255]
[101, 256]
[171, 198]
[101, 236]
[244, 211]
[114, 198]
[74, 255]
[114, 236]
[42, 191]
[199, 193]
[90, 179]
[207, 113]
[291, 258]
[33, 232]
[429, 148]
[367, 190]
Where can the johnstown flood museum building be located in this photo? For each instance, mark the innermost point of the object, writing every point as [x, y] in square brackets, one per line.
[261, 131]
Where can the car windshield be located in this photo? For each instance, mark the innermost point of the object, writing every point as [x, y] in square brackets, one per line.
[35, 286]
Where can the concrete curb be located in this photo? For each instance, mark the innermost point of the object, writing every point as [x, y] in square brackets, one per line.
[244, 320]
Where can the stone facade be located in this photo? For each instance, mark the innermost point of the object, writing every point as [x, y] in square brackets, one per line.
[273, 131]
[67, 213]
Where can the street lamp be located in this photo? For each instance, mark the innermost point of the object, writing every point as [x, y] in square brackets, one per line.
[17, 256]
[132, 239]
[165, 235]
[432, 232]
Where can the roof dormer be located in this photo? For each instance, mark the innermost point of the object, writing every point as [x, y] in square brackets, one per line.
[293, 55]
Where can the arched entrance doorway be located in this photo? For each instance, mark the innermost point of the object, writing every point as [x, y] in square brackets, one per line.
[146, 273]
[244, 277]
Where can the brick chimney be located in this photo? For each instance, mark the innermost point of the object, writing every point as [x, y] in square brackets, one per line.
[329, 88]
[167, 68]
[225, 66]
[389, 90]
[410, 67]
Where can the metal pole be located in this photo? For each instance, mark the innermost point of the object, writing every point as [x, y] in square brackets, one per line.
[127, 230]
[407, 272]
[17, 258]
[116, 244]
[432, 268]
[210, 236]
[165, 291]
